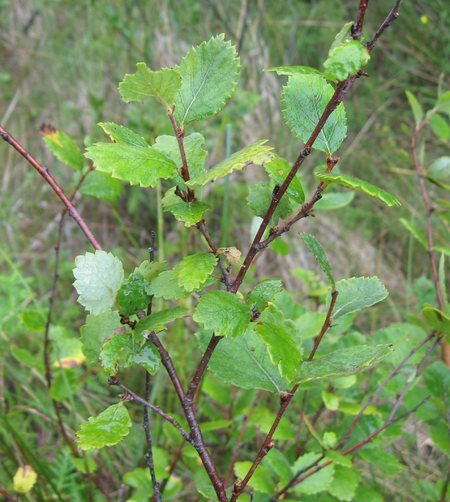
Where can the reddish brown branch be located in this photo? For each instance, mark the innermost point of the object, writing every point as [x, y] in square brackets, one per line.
[43, 171]
[358, 26]
[393, 15]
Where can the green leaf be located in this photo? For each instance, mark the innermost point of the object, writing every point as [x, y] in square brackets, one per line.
[25, 357]
[338, 458]
[443, 103]
[345, 60]
[257, 154]
[33, 320]
[310, 324]
[440, 126]
[255, 369]
[62, 147]
[317, 250]
[132, 296]
[415, 107]
[334, 200]
[138, 165]
[416, 233]
[344, 483]
[279, 334]
[95, 332]
[442, 282]
[357, 293]
[281, 466]
[437, 379]
[261, 480]
[280, 247]
[439, 169]
[294, 70]
[166, 286]
[357, 184]
[98, 278]
[101, 185]
[223, 313]
[194, 270]
[189, 212]
[278, 169]
[195, 155]
[162, 85]
[262, 293]
[367, 494]
[345, 35]
[260, 197]
[123, 351]
[105, 430]
[157, 321]
[330, 400]
[64, 384]
[343, 362]
[209, 76]
[316, 483]
[437, 318]
[384, 460]
[120, 134]
[210, 493]
[440, 437]
[305, 98]
[313, 432]
[151, 270]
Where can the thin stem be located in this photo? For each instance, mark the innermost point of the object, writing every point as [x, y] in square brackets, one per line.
[358, 26]
[195, 437]
[43, 171]
[381, 387]
[146, 423]
[131, 396]
[8, 496]
[285, 401]
[202, 367]
[241, 435]
[392, 16]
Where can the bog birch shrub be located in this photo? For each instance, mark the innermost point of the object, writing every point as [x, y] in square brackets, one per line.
[256, 338]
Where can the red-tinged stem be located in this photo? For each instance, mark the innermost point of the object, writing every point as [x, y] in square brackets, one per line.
[358, 26]
[392, 16]
[286, 398]
[193, 386]
[8, 496]
[43, 171]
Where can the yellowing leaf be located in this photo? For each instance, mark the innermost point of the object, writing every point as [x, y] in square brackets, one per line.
[24, 479]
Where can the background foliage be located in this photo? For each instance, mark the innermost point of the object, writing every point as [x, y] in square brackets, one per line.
[60, 63]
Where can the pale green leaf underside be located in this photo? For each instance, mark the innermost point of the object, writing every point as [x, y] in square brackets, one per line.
[345, 60]
[95, 332]
[357, 184]
[106, 429]
[209, 76]
[357, 293]
[317, 250]
[223, 313]
[162, 85]
[345, 35]
[189, 212]
[255, 369]
[343, 362]
[143, 166]
[194, 270]
[334, 200]
[195, 155]
[98, 277]
[278, 169]
[123, 351]
[157, 321]
[305, 98]
[120, 134]
[151, 270]
[294, 70]
[278, 334]
[257, 153]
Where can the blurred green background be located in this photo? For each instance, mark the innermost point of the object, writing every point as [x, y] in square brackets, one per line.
[61, 63]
